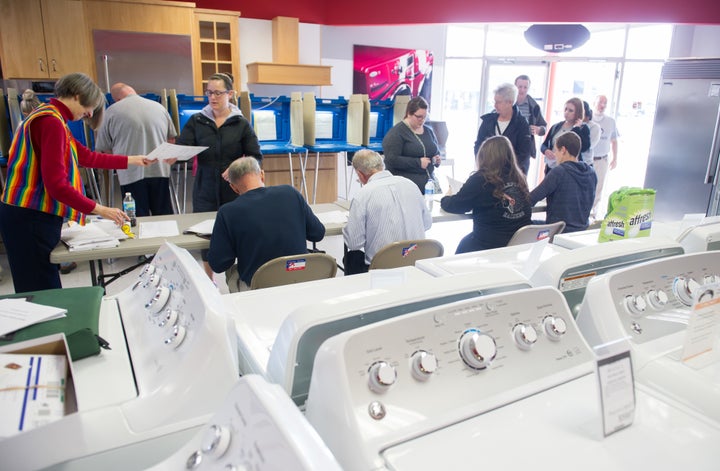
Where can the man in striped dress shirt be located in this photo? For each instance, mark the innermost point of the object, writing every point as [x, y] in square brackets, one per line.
[387, 209]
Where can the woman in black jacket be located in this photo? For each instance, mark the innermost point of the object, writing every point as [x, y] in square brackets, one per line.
[228, 136]
[574, 114]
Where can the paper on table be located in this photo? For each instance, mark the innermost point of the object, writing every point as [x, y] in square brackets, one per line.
[87, 237]
[455, 185]
[333, 217]
[173, 151]
[148, 230]
[202, 228]
[18, 313]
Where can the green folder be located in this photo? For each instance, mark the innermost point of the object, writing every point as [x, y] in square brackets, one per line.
[80, 325]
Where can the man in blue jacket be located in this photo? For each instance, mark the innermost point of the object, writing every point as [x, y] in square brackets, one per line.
[261, 224]
[569, 188]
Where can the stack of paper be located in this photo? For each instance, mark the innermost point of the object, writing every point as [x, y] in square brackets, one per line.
[16, 313]
[87, 237]
[203, 228]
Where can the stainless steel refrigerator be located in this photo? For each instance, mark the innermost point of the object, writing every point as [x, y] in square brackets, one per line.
[683, 160]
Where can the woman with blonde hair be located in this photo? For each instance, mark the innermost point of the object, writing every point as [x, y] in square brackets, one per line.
[497, 194]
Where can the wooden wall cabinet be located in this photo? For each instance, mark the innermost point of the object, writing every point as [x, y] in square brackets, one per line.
[277, 172]
[216, 48]
[44, 39]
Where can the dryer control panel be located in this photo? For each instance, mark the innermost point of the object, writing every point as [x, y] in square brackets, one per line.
[650, 301]
[256, 428]
[407, 376]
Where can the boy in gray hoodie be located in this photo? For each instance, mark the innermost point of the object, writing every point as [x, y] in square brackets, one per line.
[569, 188]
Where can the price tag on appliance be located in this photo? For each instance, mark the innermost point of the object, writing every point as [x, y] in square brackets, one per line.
[617, 392]
[700, 333]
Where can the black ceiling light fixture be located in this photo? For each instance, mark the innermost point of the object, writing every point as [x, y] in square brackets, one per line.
[557, 38]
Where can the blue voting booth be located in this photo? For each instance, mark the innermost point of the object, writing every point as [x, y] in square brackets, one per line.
[272, 123]
[331, 117]
[381, 120]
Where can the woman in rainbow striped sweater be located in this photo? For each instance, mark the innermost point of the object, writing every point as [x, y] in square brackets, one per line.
[44, 184]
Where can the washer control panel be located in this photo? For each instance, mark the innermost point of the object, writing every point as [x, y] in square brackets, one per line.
[655, 299]
[447, 363]
[180, 339]
[256, 428]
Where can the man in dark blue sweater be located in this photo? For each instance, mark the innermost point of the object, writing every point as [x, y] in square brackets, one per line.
[569, 188]
[261, 224]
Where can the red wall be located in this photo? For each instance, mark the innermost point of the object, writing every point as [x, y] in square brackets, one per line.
[375, 12]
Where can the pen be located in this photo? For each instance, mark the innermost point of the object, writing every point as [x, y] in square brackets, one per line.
[103, 343]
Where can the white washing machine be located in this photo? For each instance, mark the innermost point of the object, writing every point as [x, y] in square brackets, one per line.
[702, 237]
[523, 258]
[292, 323]
[572, 270]
[172, 361]
[503, 381]
[256, 428]
[695, 235]
[651, 304]
[258, 314]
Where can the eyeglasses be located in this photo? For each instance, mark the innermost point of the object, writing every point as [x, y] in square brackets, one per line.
[217, 93]
[421, 116]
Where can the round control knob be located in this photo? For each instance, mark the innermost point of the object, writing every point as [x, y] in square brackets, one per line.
[168, 318]
[215, 441]
[635, 305]
[684, 288]
[657, 299]
[147, 271]
[524, 335]
[158, 301]
[423, 365]
[176, 337]
[382, 376]
[477, 349]
[555, 327]
[152, 280]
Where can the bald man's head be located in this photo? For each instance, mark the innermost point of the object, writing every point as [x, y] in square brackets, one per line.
[121, 90]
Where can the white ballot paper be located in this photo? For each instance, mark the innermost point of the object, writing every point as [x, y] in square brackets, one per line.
[16, 313]
[202, 228]
[167, 151]
[148, 230]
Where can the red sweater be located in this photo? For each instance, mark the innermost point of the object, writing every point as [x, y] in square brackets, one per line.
[48, 138]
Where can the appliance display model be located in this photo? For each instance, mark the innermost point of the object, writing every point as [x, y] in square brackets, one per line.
[571, 271]
[257, 427]
[289, 325]
[651, 305]
[685, 140]
[504, 381]
[173, 359]
[523, 258]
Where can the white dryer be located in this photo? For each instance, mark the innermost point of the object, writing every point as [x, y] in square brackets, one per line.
[257, 428]
[173, 359]
[523, 258]
[651, 304]
[503, 381]
[572, 270]
[280, 329]
[695, 235]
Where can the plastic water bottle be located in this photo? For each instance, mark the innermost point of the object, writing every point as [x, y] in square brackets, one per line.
[129, 208]
[429, 193]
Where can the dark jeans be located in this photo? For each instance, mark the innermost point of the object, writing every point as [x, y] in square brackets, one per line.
[210, 191]
[29, 237]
